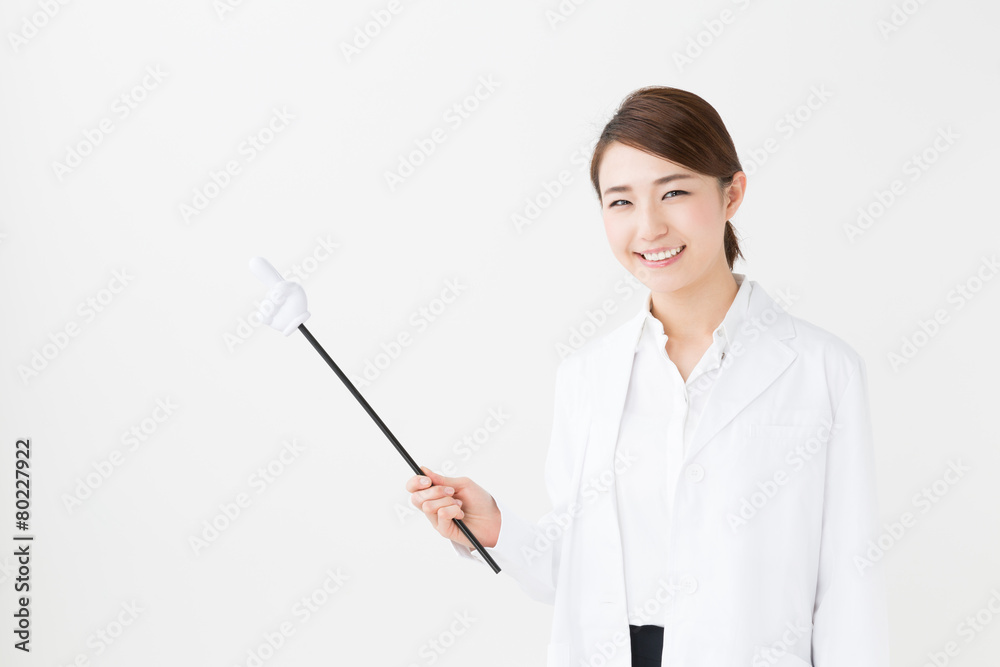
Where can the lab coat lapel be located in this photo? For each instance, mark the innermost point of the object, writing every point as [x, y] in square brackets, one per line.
[748, 371]
[756, 357]
[598, 535]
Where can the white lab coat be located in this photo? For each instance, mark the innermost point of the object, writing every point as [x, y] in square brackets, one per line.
[770, 558]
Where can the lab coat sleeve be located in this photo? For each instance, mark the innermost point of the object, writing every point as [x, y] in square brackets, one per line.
[513, 553]
[850, 617]
[527, 551]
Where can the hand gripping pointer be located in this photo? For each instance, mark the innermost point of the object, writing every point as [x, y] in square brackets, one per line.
[284, 309]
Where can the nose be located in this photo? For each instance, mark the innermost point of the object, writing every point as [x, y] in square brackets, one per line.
[651, 223]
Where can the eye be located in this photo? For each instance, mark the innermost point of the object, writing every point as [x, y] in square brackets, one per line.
[665, 196]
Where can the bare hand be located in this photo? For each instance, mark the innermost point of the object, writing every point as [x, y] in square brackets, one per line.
[467, 501]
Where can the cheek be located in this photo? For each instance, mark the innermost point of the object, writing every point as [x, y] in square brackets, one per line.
[616, 237]
[705, 222]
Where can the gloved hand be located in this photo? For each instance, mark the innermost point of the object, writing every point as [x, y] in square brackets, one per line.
[284, 307]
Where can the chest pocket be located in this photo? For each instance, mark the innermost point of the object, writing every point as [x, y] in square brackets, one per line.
[777, 431]
[785, 426]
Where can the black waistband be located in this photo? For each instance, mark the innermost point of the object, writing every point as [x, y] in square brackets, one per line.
[647, 645]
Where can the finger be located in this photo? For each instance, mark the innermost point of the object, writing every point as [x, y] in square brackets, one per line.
[415, 484]
[432, 506]
[438, 479]
[418, 482]
[446, 514]
[265, 271]
[435, 492]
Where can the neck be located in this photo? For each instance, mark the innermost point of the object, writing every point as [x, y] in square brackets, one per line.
[696, 310]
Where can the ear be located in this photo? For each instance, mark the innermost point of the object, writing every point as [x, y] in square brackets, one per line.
[734, 192]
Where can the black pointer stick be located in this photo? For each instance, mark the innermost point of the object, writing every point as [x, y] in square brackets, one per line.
[270, 277]
[385, 429]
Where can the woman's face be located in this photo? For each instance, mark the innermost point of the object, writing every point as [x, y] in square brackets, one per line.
[652, 204]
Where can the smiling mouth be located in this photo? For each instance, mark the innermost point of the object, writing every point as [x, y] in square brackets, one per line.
[659, 256]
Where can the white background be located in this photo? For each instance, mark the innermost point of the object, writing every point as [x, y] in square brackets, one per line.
[321, 181]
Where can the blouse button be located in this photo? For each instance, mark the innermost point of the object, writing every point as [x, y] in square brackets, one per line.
[694, 473]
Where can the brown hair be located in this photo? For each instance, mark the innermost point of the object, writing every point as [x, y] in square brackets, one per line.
[679, 126]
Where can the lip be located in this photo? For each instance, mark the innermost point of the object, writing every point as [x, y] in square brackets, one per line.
[662, 262]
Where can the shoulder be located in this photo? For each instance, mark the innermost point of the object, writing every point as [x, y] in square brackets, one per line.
[822, 353]
[600, 347]
[816, 347]
[594, 362]
[814, 340]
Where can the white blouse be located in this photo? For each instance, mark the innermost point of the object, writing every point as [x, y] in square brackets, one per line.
[660, 415]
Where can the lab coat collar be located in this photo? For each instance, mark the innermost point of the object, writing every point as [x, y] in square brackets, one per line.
[651, 330]
[756, 357]
[728, 328]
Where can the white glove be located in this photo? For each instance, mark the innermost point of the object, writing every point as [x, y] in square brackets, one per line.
[284, 306]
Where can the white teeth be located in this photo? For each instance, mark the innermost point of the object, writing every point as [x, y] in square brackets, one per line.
[662, 255]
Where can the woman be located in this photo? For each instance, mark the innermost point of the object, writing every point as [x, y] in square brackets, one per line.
[711, 467]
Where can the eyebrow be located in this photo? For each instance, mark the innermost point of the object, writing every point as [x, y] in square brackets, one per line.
[659, 181]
